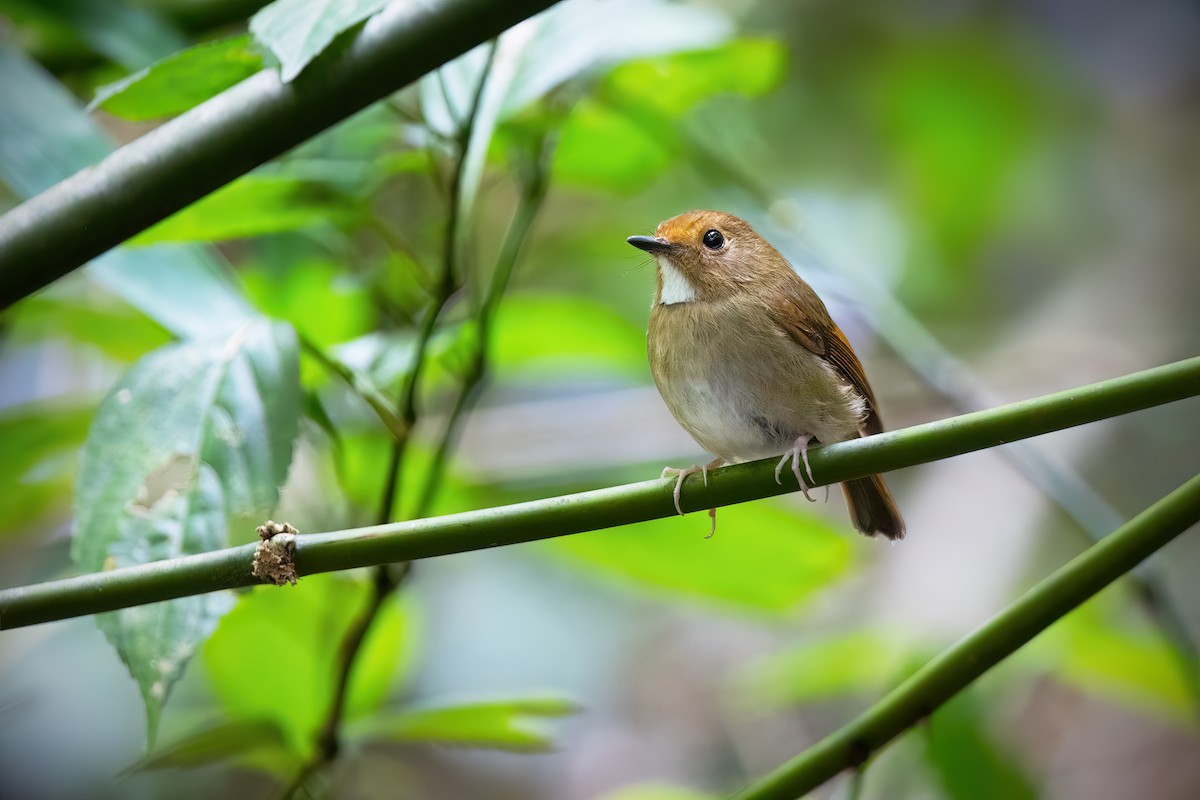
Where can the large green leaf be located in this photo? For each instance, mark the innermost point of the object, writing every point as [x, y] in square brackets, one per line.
[571, 40]
[579, 38]
[322, 301]
[250, 206]
[603, 147]
[764, 557]
[194, 435]
[515, 725]
[45, 137]
[624, 137]
[296, 31]
[298, 630]
[180, 81]
[673, 84]
[114, 328]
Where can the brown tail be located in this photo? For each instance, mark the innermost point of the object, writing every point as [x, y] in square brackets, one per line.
[872, 509]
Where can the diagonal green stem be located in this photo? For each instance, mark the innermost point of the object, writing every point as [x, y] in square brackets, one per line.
[603, 508]
[1004, 634]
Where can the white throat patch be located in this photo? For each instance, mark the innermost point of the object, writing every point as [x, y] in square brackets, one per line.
[675, 287]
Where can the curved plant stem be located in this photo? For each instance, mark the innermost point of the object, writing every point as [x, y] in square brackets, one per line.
[389, 577]
[953, 670]
[531, 202]
[261, 118]
[602, 508]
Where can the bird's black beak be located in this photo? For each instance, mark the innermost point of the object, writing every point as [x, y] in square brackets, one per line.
[651, 244]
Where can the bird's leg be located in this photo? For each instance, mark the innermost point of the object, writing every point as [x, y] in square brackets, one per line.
[798, 453]
[692, 470]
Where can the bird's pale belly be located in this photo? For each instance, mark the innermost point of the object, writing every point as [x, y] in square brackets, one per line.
[740, 406]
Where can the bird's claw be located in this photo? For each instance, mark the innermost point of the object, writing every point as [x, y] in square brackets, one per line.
[683, 473]
[798, 453]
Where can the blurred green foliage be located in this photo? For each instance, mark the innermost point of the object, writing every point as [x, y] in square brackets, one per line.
[342, 241]
[293, 630]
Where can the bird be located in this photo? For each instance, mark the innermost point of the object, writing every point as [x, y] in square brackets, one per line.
[750, 363]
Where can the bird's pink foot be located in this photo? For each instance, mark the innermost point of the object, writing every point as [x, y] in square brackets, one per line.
[692, 470]
[797, 454]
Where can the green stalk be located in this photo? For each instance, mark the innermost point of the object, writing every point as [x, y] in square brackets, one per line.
[953, 670]
[176, 164]
[603, 508]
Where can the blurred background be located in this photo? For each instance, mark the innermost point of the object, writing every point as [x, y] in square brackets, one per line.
[996, 200]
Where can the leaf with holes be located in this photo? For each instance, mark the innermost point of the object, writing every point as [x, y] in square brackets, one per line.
[296, 31]
[195, 436]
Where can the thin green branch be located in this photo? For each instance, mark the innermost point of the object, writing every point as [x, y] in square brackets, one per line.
[602, 508]
[388, 577]
[261, 118]
[955, 669]
[532, 195]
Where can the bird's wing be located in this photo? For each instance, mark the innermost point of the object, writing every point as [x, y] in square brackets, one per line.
[801, 315]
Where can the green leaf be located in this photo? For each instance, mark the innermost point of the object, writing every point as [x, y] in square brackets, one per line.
[251, 206]
[46, 137]
[558, 333]
[970, 764]
[764, 557]
[857, 663]
[656, 791]
[296, 31]
[273, 658]
[569, 40]
[213, 744]
[185, 289]
[180, 81]
[195, 434]
[324, 303]
[41, 444]
[673, 84]
[114, 328]
[575, 38]
[626, 136]
[514, 725]
[603, 147]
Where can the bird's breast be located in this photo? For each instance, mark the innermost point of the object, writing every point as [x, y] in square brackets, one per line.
[739, 386]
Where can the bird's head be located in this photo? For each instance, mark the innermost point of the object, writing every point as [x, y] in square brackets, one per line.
[706, 256]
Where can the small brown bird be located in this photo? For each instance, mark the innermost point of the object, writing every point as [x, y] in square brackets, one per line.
[749, 361]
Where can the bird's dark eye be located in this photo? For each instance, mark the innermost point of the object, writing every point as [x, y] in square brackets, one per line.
[713, 239]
